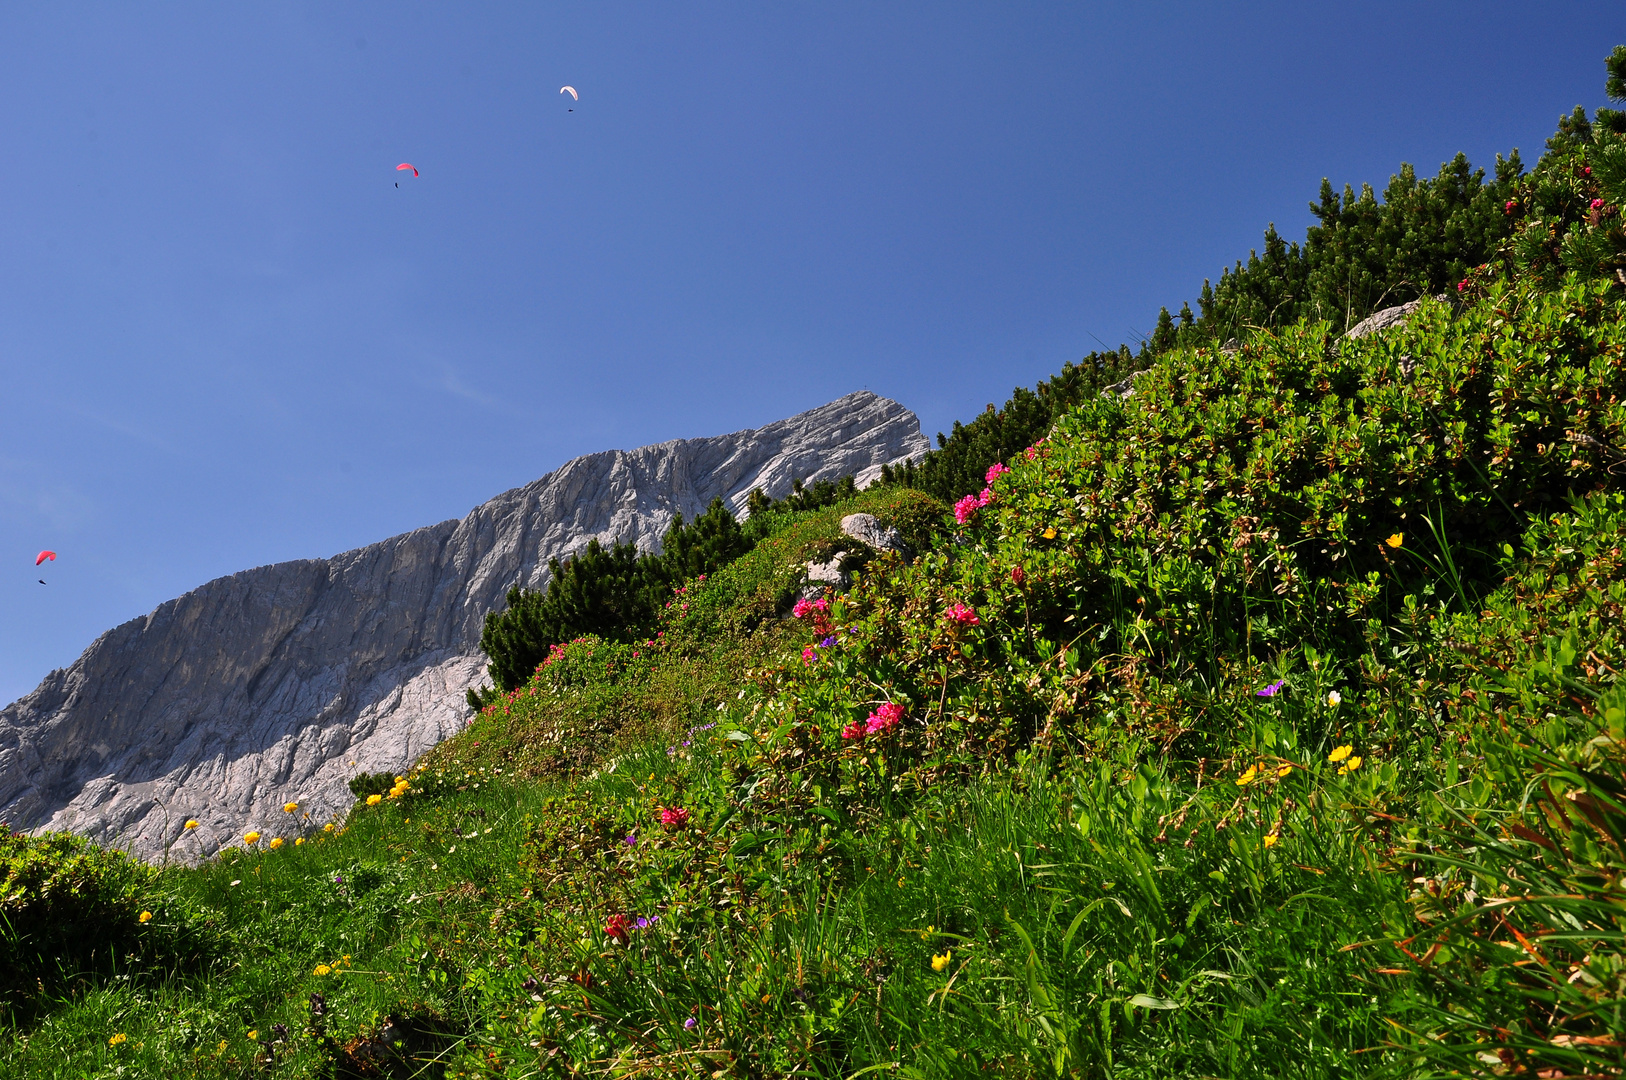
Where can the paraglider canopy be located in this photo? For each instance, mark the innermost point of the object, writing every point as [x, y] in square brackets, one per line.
[42, 556]
[404, 166]
[571, 90]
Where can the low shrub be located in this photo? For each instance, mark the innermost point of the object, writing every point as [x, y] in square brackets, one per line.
[66, 905]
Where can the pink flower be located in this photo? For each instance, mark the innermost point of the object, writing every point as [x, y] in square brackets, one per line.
[884, 719]
[966, 509]
[1461, 285]
[617, 927]
[854, 730]
[1587, 171]
[1512, 204]
[804, 608]
[994, 470]
[1597, 204]
[1018, 576]
[986, 497]
[809, 655]
[963, 615]
[674, 816]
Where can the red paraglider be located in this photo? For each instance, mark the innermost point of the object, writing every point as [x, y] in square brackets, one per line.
[404, 166]
[43, 556]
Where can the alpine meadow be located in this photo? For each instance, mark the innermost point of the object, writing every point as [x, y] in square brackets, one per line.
[1244, 704]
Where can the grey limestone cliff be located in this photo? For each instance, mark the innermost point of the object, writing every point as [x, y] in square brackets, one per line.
[280, 683]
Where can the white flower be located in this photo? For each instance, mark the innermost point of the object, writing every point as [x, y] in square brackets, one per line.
[1333, 699]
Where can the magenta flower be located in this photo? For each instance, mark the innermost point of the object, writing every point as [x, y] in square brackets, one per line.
[966, 509]
[674, 816]
[995, 470]
[1597, 204]
[1273, 689]
[804, 608]
[1511, 204]
[963, 615]
[809, 655]
[884, 719]
[854, 730]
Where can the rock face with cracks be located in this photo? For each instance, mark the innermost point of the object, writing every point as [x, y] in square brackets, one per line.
[278, 684]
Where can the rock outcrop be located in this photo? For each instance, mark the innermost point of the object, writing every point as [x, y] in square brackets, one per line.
[836, 572]
[280, 683]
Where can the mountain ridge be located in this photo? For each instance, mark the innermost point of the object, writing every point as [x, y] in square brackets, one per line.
[322, 668]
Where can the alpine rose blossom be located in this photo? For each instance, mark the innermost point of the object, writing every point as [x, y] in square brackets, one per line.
[804, 608]
[966, 509]
[854, 730]
[994, 470]
[674, 816]
[884, 719]
[963, 615]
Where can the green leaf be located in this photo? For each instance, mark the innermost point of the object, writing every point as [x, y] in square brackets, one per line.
[1147, 1001]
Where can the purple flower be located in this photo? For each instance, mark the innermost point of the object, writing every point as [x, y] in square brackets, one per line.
[688, 1024]
[631, 840]
[1273, 689]
[827, 642]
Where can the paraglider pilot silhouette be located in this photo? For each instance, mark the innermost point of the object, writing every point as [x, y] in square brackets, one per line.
[41, 557]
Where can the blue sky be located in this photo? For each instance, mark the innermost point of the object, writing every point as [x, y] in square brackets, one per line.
[227, 338]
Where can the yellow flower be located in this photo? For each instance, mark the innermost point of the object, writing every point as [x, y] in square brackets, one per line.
[374, 800]
[191, 823]
[1351, 765]
[251, 838]
[1334, 699]
[1270, 839]
[289, 807]
[322, 969]
[1395, 540]
[328, 827]
[1341, 753]
[1283, 770]
[115, 1040]
[254, 1034]
[301, 840]
[941, 961]
[1050, 532]
[1248, 777]
[276, 843]
[146, 916]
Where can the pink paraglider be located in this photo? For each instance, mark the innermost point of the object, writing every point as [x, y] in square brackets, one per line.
[404, 166]
[42, 556]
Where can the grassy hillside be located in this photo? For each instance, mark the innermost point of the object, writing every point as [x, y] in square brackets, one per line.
[1264, 723]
